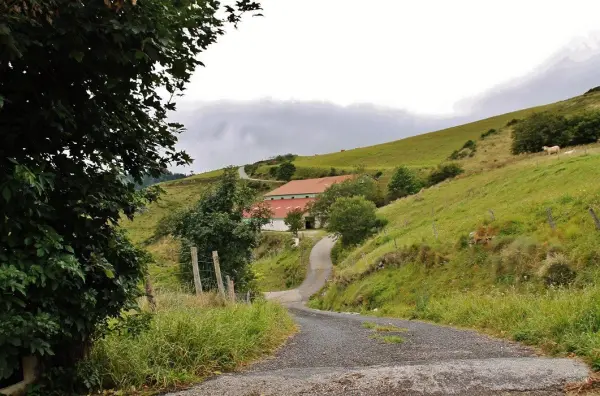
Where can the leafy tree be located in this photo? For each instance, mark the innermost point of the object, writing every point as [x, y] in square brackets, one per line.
[273, 171]
[364, 186]
[285, 171]
[538, 130]
[443, 172]
[80, 108]
[584, 128]
[354, 219]
[217, 222]
[294, 219]
[548, 129]
[404, 182]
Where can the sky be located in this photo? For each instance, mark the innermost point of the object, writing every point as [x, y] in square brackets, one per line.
[387, 52]
[317, 76]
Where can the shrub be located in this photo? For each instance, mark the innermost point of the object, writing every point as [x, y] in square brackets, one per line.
[443, 172]
[404, 182]
[271, 244]
[294, 220]
[285, 171]
[216, 222]
[490, 132]
[354, 219]
[364, 186]
[273, 171]
[548, 129]
[556, 271]
[512, 122]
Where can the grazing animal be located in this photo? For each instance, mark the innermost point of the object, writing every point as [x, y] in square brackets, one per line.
[551, 150]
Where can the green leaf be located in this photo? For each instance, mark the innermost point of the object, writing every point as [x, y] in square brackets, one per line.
[6, 193]
[109, 273]
[69, 249]
[41, 252]
[1, 101]
[139, 54]
[77, 55]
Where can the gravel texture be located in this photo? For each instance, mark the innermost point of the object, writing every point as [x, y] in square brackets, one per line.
[335, 354]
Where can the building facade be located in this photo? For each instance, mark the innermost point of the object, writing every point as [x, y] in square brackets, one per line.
[297, 194]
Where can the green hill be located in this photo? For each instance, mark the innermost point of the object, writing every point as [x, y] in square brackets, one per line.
[536, 280]
[506, 287]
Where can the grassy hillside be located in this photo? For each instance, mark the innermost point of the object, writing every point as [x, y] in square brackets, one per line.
[503, 286]
[279, 265]
[177, 194]
[429, 149]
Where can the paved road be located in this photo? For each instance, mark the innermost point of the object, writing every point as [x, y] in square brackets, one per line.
[244, 175]
[334, 354]
[318, 272]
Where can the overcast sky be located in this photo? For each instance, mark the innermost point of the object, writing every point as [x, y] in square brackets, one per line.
[425, 58]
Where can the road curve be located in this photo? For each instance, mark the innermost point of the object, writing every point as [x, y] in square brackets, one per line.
[319, 270]
[243, 175]
[335, 354]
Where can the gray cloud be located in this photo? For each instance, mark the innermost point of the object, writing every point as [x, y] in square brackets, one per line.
[232, 133]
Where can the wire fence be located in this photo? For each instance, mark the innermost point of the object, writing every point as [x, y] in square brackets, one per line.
[209, 280]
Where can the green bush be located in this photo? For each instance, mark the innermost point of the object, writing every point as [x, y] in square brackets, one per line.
[189, 338]
[491, 132]
[354, 219]
[364, 186]
[549, 129]
[285, 171]
[403, 182]
[443, 172]
[557, 271]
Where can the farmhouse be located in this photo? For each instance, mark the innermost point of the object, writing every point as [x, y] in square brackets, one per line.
[297, 194]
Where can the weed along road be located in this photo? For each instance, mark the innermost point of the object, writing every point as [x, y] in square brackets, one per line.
[348, 354]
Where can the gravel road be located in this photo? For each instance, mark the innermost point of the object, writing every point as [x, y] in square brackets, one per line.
[336, 354]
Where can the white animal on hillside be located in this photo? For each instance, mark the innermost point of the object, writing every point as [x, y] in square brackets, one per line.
[551, 150]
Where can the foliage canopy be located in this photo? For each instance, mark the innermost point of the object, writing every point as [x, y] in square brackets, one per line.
[79, 109]
[294, 220]
[403, 182]
[217, 222]
[354, 219]
[549, 129]
[364, 186]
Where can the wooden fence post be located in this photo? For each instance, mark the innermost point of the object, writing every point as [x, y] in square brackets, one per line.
[230, 289]
[248, 296]
[550, 219]
[215, 256]
[197, 281]
[596, 220]
[395, 244]
[149, 293]
[493, 215]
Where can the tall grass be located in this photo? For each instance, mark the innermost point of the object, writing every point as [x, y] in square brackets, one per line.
[559, 320]
[286, 267]
[189, 338]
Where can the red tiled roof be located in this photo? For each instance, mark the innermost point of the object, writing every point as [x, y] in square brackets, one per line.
[308, 186]
[280, 207]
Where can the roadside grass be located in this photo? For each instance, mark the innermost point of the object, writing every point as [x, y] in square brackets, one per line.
[284, 267]
[388, 339]
[189, 338]
[369, 325]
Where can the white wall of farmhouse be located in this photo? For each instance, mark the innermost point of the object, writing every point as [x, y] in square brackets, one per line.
[275, 225]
